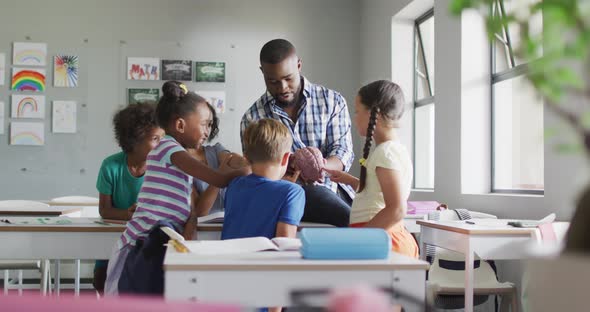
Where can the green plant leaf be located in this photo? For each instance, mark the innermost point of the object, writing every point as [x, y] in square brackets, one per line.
[548, 89]
[558, 15]
[550, 132]
[494, 26]
[567, 77]
[457, 6]
[585, 119]
[568, 148]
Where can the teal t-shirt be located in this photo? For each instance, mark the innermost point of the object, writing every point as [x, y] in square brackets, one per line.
[115, 179]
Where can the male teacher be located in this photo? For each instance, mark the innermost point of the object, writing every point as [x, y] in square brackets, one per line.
[316, 116]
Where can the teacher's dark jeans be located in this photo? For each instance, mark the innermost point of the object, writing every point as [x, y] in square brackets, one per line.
[324, 206]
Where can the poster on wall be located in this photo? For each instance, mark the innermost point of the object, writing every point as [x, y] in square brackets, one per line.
[65, 71]
[139, 95]
[29, 53]
[1, 117]
[215, 98]
[177, 70]
[143, 68]
[64, 117]
[28, 79]
[27, 133]
[210, 71]
[28, 106]
[2, 68]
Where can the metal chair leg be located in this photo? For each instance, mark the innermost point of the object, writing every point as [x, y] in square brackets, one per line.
[6, 277]
[57, 277]
[77, 278]
[20, 282]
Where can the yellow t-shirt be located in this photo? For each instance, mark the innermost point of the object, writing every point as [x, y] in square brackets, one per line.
[388, 155]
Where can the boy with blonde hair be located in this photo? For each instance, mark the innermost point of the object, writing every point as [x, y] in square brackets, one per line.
[261, 204]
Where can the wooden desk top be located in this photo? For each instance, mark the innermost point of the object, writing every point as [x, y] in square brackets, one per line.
[283, 261]
[48, 211]
[58, 224]
[482, 227]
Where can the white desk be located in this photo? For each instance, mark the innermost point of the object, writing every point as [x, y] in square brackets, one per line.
[80, 239]
[489, 240]
[267, 278]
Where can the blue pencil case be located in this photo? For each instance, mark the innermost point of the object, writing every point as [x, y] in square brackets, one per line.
[344, 243]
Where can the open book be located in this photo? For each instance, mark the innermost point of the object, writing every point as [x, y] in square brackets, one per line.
[232, 246]
[216, 217]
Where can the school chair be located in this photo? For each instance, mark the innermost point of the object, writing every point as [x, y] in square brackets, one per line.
[89, 210]
[38, 265]
[445, 287]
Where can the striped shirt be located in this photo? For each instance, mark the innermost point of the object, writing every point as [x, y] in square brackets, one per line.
[164, 195]
[323, 121]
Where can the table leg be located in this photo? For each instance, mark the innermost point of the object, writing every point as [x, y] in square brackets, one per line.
[57, 276]
[77, 278]
[6, 277]
[469, 258]
[422, 245]
[20, 282]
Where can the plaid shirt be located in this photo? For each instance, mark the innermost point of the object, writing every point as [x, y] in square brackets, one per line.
[322, 121]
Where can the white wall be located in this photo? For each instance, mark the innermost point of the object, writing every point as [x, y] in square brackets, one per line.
[349, 45]
[326, 33]
[565, 175]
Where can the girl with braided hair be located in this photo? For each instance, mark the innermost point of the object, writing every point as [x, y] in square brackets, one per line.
[386, 173]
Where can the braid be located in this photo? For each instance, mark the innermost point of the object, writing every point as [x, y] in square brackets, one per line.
[367, 148]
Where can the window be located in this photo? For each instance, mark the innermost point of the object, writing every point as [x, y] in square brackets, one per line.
[424, 101]
[517, 113]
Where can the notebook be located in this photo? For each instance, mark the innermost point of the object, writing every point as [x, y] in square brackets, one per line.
[231, 246]
[216, 217]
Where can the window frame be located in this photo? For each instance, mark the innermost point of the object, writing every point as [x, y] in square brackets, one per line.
[513, 71]
[429, 100]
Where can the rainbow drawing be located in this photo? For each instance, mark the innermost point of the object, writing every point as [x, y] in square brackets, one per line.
[28, 53]
[28, 79]
[27, 133]
[28, 106]
[65, 71]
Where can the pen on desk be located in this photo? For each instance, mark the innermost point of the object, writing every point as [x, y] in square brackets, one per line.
[469, 222]
[100, 222]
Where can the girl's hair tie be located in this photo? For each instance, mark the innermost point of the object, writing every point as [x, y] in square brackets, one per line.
[363, 162]
[183, 87]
